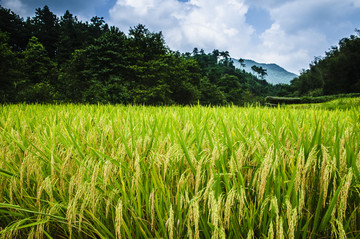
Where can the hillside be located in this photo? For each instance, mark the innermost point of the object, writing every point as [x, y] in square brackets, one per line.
[276, 74]
[52, 59]
[336, 73]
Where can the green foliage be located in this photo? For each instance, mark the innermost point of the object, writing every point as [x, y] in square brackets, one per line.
[37, 65]
[39, 72]
[338, 72]
[211, 94]
[260, 71]
[8, 70]
[233, 85]
[325, 98]
[73, 35]
[45, 26]
[282, 100]
[334, 104]
[340, 101]
[17, 30]
[41, 92]
[73, 61]
[66, 60]
[74, 78]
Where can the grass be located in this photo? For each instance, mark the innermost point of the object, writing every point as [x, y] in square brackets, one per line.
[342, 103]
[71, 171]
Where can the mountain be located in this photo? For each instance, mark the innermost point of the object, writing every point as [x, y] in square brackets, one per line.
[275, 73]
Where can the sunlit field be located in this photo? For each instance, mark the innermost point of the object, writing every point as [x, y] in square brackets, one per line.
[72, 171]
[337, 104]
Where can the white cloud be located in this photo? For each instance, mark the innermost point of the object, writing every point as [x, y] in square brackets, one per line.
[156, 14]
[290, 50]
[16, 6]
[356, 3]
[206, 24]
[83, 9]
[317, 14]
[212, 24]
[301, 29]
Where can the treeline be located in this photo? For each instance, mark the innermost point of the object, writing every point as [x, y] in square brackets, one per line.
[47, 59]
[336, 73]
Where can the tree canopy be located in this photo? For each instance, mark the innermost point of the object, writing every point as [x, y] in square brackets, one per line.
[51, 59]
[338, 72]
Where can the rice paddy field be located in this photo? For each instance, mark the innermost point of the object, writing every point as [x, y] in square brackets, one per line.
[90, 171]
[337, 104]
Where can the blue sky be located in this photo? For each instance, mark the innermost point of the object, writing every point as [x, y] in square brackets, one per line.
[287, 32]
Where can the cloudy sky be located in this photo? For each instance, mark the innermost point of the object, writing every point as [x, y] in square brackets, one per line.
[287, 32]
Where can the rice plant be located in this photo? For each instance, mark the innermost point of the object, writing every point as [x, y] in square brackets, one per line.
[90, 171]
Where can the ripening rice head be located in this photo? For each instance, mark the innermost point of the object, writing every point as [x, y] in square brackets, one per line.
[280, 229]
[325, 174]
[198, 177]
[118, 218]
[230, 199]
[292, 223]
[152, 208]
[263, 172]
[107, 168]
[170, 223]
[271, 233]
[344, 192]
[264, 204]
[250, 234]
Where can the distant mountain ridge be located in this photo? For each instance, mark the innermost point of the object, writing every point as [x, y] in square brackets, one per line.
[275, 73]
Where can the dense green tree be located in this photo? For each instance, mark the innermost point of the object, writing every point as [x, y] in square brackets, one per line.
[9, 74]
[260, 71]
[337, 72]
[75, 78]
[15, 27]
[184, 78]
[230, 85]
[162, 77]
[241, 61]
[218, 68]
[70, 37]
[106, 64]
[94, 71]
[144, 44]
[210, 93]
[40, 74]
[46, 28]
[47, 59]
[97, 27]
[225, 58]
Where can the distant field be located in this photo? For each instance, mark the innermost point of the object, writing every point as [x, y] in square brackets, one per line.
[342, 103]
[72, 171]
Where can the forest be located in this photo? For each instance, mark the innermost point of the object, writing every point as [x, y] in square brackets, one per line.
[338, 72]
[50, 59]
